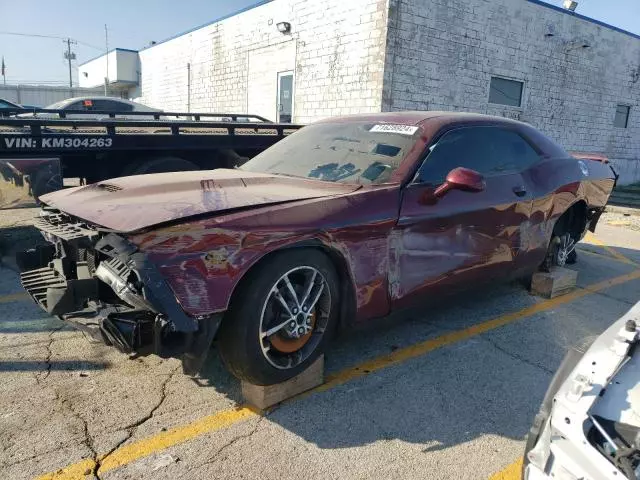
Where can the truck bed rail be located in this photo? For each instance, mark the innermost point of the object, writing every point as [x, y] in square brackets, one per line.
[29, 135]
[195, 116]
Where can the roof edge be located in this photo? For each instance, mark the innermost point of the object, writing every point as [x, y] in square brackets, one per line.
[105, 54]
[219, 19]
[584, 17]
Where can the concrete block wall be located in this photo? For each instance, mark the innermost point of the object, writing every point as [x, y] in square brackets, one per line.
[442, 54]
[338, 63]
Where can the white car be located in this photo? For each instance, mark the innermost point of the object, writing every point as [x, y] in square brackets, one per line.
[589, 424]
[95, 104]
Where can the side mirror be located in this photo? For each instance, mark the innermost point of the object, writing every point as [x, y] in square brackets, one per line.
[463, 179]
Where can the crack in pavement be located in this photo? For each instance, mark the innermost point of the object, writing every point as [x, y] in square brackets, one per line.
[88, 439]
[517, 357]
[49, 355]
[36, 455]
[131, 428]
[227, 445]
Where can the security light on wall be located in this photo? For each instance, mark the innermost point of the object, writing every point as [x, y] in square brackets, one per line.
[570, 5]
[284, 27]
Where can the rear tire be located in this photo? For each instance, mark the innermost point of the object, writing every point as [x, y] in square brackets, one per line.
[263, 342]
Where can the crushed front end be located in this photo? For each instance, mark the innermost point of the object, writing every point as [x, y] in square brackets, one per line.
[588, 426]
[103, 285]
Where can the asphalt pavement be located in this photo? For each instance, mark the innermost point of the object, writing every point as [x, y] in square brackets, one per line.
[438, 392]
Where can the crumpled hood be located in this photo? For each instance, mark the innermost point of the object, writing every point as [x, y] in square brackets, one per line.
[133, 203]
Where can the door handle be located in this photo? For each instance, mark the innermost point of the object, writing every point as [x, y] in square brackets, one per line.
[520, 190]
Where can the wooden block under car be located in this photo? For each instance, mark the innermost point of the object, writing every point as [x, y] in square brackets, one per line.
[554, 283]
[264, 397]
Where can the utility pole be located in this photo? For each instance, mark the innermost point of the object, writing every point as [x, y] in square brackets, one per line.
[69, 55]
[189, 87]
[106, 56]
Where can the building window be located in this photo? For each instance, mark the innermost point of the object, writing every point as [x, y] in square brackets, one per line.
[622, 116]
[506, 92]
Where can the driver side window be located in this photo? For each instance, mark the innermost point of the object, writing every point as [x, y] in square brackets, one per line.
[491, 151]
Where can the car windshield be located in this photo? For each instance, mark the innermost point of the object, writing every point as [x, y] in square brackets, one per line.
[348, 152]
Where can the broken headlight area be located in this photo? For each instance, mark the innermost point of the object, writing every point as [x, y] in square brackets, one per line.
[101, 284]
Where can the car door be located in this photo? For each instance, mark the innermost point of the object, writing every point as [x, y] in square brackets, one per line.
[462, 239]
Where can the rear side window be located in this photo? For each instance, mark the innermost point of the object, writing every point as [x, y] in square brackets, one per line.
[490, 151]
[111, 106]
[77, 106]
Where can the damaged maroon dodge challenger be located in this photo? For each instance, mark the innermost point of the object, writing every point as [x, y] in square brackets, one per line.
[345, 220]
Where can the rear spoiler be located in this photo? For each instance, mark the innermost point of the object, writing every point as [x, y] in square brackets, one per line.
[597, 157]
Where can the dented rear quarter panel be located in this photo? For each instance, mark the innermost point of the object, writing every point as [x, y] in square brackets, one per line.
[559, 183]
[204, 260]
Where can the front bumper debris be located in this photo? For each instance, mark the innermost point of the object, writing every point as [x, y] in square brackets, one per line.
[588, 425]
[102, 285]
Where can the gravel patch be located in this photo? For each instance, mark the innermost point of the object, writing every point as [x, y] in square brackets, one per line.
[622, 217]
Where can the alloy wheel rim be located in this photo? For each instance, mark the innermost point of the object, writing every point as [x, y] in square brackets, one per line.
[294, 317]
[565, 248]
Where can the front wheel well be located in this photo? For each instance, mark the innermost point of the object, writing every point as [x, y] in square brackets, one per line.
[573, 221]
[347, 288]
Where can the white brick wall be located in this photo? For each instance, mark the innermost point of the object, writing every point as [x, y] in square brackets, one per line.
[369, 55]
[442, 54]
[338, 59]
[263, 68]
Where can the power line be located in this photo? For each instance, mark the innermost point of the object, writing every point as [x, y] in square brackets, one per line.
[33, 35]
[88, 45]
[49, 36]
[53, 83]
[52, 80]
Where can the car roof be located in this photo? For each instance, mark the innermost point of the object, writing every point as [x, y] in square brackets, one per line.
[433, 122]
[137, 106]
[9, 102]
[96, 97]
[421, 118]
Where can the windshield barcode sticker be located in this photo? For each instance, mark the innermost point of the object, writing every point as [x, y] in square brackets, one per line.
[401, 129]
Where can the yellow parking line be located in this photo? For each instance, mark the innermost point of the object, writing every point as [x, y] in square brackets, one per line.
[599, 254]
[419, 349]
[512, 472]
[144, 447]
[593, 240]
[14, 297]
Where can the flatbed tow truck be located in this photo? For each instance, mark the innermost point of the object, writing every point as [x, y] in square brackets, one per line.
[39, 154]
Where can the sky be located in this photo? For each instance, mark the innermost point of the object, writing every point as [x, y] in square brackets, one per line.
[134, 23]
